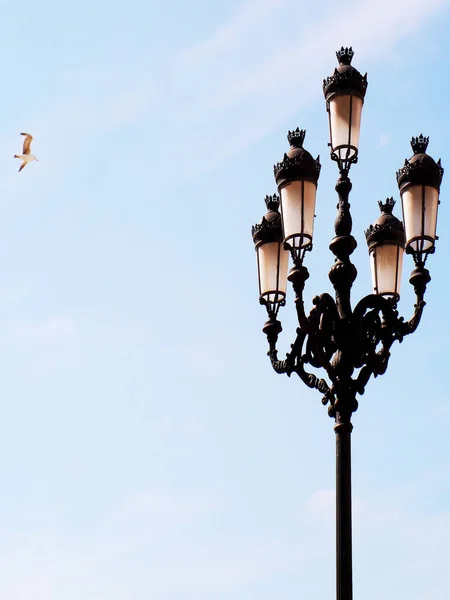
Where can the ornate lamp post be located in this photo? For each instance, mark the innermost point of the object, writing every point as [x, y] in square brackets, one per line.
[349, 344]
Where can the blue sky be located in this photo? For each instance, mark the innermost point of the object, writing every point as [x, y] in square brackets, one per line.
[147, 450]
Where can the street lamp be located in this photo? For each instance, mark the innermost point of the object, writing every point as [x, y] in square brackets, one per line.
[297, 176]
[349, 344]
[272, 258]
[386, 241]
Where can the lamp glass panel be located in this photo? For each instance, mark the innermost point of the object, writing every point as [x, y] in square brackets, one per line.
[273, 263]
[345, 124]
[386, 263]
[420, 206]
[298, 202]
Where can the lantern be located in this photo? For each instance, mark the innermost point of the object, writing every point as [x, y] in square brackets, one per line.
[386, 241]
[272, 258]
[419, 182]
[296, 177]
[344, 93]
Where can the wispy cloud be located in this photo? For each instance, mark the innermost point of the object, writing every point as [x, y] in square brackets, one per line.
[176, 564]
[248, 93]
[221, 562]
[249, 18]
[246, 77]
[418, 539]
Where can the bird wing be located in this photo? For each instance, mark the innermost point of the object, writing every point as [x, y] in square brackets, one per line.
[27, 143]
[24, 164]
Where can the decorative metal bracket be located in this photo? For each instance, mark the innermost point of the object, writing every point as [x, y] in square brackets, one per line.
[350, 345]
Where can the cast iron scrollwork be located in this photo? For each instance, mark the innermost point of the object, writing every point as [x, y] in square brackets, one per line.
[350, 345]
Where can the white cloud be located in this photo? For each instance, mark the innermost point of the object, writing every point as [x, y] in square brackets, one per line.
[246, 77]
[155, 528]
[248, 83]
[175, 563]
[419, 539]
[247, 18]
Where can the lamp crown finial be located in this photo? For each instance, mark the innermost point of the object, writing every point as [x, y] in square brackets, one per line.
[419, 144]
[296, 137]
[272, 202]
[387, 206]
[345, 55]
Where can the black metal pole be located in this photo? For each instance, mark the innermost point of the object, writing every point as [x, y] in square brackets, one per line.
[344, 583]
[342, 275]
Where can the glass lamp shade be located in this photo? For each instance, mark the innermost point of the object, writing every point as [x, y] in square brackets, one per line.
[344, 93]
[344, 113]
[420, 207]
[273, 262]
[386, 241]
[419, 182]
[386, 263]
[297, 176]
[298, 202]
[272, 258]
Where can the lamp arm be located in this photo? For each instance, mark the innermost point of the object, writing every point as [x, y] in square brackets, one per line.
[322, 314]
[279, 366]
[391, 328]
[298, 276]
[303, 320]
[314, 382]
[322, 318]
[272, 328]
[371, 329]
[378, 304]
[376, 365]
[295, 363]
[410, 326]
[419, 279]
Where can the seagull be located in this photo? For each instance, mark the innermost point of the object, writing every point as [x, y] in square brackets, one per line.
[26, 156]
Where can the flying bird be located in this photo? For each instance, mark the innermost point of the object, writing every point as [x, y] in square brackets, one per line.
[26, 157]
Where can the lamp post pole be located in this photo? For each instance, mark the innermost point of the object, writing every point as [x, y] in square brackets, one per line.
[348, 344]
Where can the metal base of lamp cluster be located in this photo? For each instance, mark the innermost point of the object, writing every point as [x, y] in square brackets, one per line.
[349, 344]
[342, 343]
